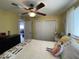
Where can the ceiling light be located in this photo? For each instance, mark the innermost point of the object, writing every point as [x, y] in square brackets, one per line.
[32, 14]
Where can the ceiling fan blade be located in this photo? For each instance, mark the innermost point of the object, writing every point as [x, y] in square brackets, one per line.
[26, 9]
[24, 13]
[41, 13]
[14, 4]
[39, 6]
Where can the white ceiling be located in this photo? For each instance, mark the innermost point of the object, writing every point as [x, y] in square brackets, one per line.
[52, 6]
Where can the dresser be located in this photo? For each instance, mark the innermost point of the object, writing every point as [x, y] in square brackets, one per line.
[8, 42]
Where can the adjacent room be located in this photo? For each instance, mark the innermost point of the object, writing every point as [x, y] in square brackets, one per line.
[39, 29]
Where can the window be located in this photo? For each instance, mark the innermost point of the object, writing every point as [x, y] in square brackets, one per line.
[76, 21]
[72, 21]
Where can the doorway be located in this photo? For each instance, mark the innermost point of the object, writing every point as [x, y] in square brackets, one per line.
[21, 29]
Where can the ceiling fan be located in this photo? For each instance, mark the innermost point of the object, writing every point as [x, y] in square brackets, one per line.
[32, 11]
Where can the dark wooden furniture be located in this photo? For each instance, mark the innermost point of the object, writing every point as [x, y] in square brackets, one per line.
[8, 42]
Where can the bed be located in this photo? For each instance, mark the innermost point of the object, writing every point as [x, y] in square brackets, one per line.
[31, 49]
[36, 49]
[71, 51]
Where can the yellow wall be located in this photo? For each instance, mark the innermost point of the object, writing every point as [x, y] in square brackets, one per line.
[8, 22]
[59, 19]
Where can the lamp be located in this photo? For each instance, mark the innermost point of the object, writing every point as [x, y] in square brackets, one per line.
[32, 14]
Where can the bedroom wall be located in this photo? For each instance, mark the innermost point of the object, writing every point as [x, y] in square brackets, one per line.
[59, 22]
[59, 19]
[8, 22]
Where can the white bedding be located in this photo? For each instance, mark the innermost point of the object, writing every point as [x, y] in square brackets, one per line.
[36, 49]
[71, 51]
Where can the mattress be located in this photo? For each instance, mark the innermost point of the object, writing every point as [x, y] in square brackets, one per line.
[36, 49]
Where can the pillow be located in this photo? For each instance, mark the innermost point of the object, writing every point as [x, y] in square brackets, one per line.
[56, 51]
[60, 51]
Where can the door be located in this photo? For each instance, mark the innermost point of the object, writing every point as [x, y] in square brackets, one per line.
[21, 29]
[44, 30]
[28, 30]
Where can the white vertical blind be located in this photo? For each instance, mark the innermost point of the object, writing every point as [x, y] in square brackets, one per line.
[72, 21]
[76, 21]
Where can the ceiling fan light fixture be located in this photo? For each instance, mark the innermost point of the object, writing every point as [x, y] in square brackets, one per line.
[32, 14]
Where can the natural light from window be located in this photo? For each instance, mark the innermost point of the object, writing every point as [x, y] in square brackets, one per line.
[76, 21]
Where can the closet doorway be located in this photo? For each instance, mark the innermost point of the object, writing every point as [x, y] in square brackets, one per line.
[44, 30]
[40, 29]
